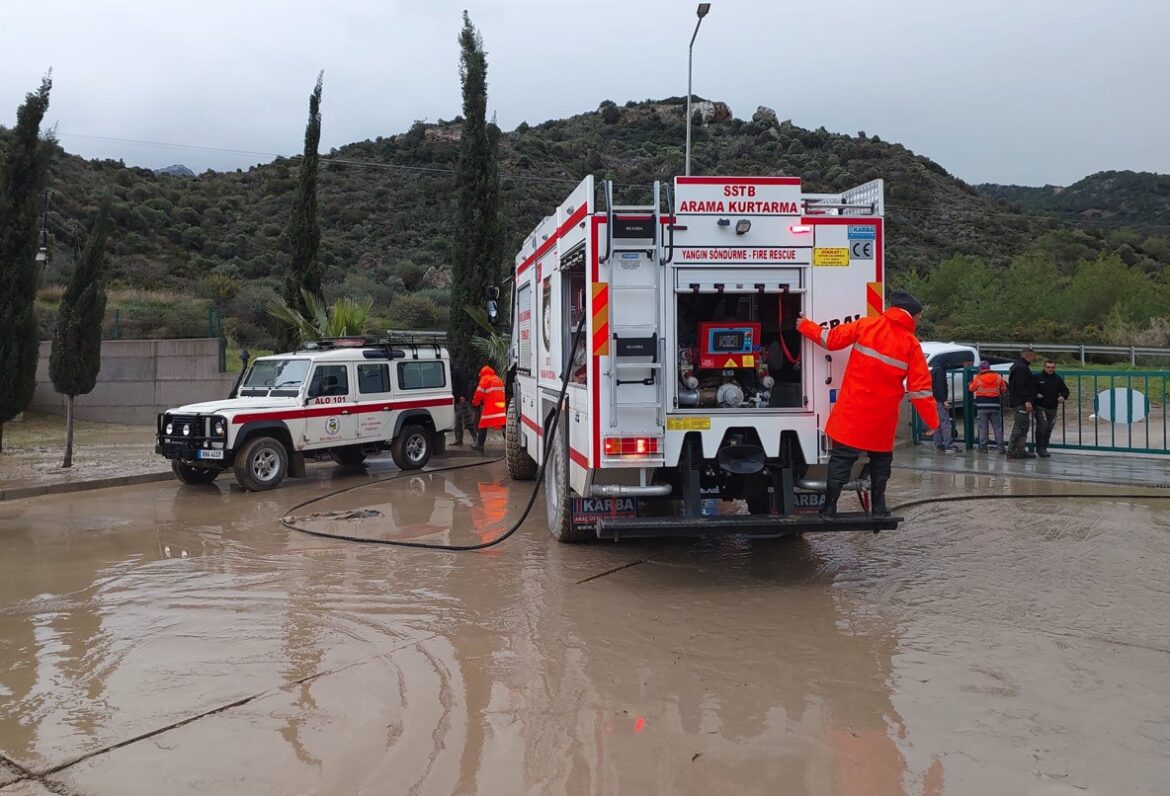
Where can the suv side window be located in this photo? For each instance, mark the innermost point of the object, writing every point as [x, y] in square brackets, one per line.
[427, 375]
[373, 377]
[330, 380]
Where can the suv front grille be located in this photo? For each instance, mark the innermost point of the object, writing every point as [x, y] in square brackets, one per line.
[197, 427]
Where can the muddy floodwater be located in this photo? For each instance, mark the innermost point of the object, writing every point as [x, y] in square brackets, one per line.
[164, 639]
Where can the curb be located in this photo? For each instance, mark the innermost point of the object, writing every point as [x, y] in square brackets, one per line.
[18, 492]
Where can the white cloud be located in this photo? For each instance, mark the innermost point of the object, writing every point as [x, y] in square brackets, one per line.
[1027, 91]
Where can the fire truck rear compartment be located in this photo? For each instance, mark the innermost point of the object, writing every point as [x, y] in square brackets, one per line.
[738, 351]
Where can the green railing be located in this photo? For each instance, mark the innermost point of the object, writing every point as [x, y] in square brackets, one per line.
[1107, 410]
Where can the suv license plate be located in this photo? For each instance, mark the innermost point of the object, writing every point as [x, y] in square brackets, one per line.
[207, 454]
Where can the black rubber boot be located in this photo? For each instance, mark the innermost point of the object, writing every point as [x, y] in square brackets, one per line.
[880, 467]
[832, 495]
[840, 468]
[877, 495]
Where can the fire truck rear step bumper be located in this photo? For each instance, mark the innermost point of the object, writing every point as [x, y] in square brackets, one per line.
[738, 525]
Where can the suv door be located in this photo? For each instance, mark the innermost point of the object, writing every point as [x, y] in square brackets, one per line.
[375, 398]
[331, 418]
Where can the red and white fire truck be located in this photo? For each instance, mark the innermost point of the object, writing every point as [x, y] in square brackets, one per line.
[690, 393]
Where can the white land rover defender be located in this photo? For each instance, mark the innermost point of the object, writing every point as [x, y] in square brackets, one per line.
[344, 398]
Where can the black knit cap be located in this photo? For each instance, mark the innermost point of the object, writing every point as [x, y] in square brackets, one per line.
[905, 301]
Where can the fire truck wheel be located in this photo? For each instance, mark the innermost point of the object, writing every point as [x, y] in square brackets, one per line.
[262, 464]
[521, 466]
[193, 475]
[349, 456]
[412, 449]
[557, 497]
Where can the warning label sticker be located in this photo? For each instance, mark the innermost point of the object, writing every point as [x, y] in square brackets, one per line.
[831, 256]
[688, 424]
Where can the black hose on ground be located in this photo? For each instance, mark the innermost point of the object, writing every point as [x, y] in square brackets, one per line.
[1054, 495]
[456, 548]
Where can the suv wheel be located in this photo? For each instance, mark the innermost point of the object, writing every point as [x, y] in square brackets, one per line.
[262, 464]
[349, 456]
[412, 449]
[193, 475]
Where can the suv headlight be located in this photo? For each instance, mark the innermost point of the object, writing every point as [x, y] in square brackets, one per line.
[218, 427]
[170, 429]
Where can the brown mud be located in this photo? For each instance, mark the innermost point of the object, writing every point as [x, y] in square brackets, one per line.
[170, 639]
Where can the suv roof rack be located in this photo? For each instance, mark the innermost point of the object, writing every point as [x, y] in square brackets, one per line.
[409, 337]
[391, 344]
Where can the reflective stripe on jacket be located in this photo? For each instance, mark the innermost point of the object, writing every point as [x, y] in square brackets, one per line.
[988, 387]
[886, 364]
[490, 394]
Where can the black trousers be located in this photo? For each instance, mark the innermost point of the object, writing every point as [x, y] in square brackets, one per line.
[466, 417]
[1045, 420]
[843, 457]
[1022, 422]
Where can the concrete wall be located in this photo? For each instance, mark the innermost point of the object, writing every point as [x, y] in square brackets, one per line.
[140, 378]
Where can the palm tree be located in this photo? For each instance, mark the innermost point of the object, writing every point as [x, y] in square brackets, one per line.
[346, 317]
[492, 345]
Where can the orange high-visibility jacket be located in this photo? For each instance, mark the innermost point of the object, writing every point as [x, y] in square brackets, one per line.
[490, 394]
[885, 364]
[988, 384]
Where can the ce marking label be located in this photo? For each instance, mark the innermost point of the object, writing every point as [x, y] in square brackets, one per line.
[861, 250]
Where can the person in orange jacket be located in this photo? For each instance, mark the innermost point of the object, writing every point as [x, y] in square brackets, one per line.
[490, 396]
[886, 363]
[989, 388]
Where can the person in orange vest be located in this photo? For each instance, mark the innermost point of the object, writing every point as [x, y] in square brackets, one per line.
[989, 388]
[490, 397]
[886, 363]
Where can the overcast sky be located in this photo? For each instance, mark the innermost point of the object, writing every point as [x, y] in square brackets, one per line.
[1013, 91]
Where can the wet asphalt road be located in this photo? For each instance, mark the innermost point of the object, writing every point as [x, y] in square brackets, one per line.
[168, 639]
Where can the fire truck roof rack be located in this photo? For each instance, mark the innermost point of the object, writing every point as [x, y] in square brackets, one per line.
[864, 200]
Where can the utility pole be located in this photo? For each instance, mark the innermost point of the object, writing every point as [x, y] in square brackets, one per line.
[701, 12]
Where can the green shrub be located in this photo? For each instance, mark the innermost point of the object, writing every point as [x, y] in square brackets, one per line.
[414, 312]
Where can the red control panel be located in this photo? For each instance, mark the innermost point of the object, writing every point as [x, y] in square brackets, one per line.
[728, 345]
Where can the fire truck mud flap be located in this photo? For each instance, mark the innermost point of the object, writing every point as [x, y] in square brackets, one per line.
[764, 526]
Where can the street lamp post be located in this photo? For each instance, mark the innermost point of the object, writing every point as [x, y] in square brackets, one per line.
[701, 11]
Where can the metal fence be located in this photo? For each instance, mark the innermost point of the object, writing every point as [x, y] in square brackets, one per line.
[1080, 351]
[1121, 411]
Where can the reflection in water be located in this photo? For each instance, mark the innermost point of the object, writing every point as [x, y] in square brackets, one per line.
[733, 650]
[798, 666]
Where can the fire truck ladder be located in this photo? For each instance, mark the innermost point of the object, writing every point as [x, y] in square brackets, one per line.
[643, 340]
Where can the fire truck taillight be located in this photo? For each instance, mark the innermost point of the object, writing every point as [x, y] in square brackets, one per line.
[800, 229]
[631, 446]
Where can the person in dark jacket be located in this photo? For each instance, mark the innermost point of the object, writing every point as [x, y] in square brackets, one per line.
[944, 437]
[1051, 392]
[1021, 400]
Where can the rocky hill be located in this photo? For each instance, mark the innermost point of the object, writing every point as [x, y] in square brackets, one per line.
[176, 170]
[1117, 198]
[386, 205]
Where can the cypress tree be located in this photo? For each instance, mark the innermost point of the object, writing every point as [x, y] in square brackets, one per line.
[22, 183]
[304, 229]
[479, 234]
[76, 356]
